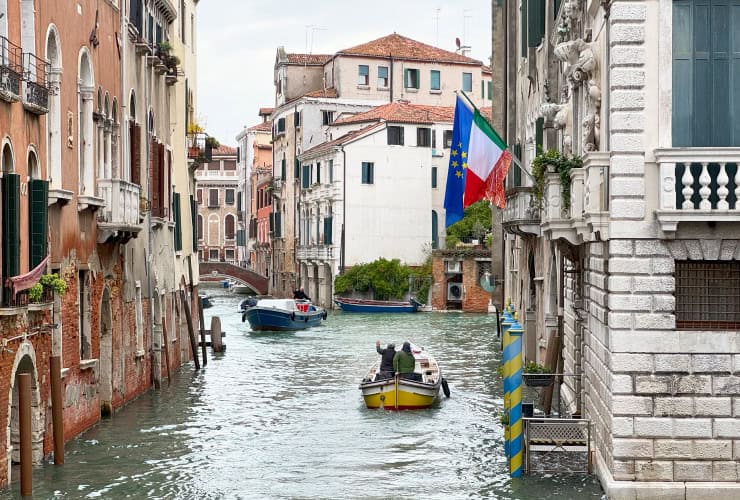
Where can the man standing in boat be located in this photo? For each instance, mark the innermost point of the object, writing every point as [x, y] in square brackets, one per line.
[386, 360]
[300, 295]
[404, 362]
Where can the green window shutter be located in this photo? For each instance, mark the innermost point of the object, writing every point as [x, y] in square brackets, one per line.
[282, 169]
[38, 193]
[306, 177]
[331, 171]
[327, 230]
[524, 28]
[490, 91]
[535, 22]
[435, 230]
[516, 169]
[11, 222]
[434, 177]
[272, 222]
[278, 225]
[296, 169]
[194, 220]
[557, 8]
[706, 73]
[538, 134]
[178, 222]
[318, 172]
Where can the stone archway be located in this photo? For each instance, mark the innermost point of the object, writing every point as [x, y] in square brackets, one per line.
[25, 362]
[105, 384]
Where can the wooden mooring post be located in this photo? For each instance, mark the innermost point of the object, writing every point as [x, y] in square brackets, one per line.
[24, 421]
[57, 410]
[202, 331]
[216, 342]
[191, 331]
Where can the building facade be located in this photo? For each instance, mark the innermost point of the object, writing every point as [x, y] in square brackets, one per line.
[217, 206]
[630, 261]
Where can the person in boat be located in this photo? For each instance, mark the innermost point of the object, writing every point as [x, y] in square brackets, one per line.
[300, 294]
[404, 362]
[386, 360]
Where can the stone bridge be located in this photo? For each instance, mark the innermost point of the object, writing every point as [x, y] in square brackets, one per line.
[218, 271]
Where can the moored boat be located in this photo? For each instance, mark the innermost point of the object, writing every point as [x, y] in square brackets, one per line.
[382, 306]
[283, 315]
[205, 300]
[401, 392]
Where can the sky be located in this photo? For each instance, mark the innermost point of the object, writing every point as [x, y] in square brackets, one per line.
[237, 41]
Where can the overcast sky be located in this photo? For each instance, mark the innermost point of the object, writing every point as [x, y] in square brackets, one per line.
[238, 39]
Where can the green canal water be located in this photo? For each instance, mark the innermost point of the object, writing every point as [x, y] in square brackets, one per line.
[280, 416]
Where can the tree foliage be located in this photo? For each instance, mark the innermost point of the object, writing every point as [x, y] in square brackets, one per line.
[386, 279]
[476, 223]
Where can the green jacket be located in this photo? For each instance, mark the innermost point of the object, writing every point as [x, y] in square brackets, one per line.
[404, 362]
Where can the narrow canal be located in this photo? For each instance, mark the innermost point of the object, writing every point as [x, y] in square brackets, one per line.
[280, 416]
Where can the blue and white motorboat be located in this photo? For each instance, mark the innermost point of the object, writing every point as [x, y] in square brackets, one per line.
[376, 306]
[283, 315]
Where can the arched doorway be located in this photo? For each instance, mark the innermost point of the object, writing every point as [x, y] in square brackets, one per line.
[54, 116]
[25, 362]
[85, 107]
[105, 386]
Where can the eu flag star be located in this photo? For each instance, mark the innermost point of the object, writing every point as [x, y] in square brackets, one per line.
[464, 154]
[454, 152]
[458, 173]
[465, 164]
[454, 164]
[459, 145]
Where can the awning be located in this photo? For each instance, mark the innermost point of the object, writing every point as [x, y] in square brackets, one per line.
[26, 281]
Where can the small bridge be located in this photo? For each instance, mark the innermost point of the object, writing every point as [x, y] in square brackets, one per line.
[218, 271]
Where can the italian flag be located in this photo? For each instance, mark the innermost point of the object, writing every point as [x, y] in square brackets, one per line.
[488, 161]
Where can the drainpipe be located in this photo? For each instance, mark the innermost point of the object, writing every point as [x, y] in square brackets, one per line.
[344, 207]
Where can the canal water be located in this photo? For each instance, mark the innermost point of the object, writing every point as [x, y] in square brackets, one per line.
[280, 416]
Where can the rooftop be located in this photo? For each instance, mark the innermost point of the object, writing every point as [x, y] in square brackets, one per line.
[403, 112]
[325, 146]
[401, 47]
[308, 59]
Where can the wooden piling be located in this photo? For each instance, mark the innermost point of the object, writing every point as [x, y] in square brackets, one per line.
[191, 331]
[216, 342]
[166, 351]
[57, 410]
[202, 330]
[24, 414]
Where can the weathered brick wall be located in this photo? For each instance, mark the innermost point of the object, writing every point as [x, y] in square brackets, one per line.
[475, 299]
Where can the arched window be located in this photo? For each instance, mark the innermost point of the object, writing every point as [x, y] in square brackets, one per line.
[11, 241]
[229, 227]
[28, 29]
[132, 105]
[115, 135]
[85, 105]
[38, 196]
[54, 116]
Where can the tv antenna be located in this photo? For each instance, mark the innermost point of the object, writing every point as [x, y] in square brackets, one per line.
[436, 17]
[311, 29]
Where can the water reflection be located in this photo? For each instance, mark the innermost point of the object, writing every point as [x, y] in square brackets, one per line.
[280, 416]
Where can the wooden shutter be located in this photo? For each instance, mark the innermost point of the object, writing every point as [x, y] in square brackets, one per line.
[155, 202]
[167, 181]
[178, 222]
[193, 220]
[38, 194]
[11, 222]
[706, 73]
[163, 193]
[535, 22]
[327, 230]
[135, 145]
[523, 42]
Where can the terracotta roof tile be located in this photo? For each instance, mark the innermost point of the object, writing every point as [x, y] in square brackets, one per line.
[486, 69]
[223, 150]
[265, 111]
[406, 48]
[262, 127]
[325, 146]
[308, 59]
[331, 92]
[403, 112]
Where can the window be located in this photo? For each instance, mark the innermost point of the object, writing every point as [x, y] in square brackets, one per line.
[489, 86]
[296, 168]
[200, 227]
[447, 139]
[199, 195]
[84, 312]
[707, 295]
[318, 172]
[383, 77]
[306, 177]
[229, 254]
[706, 104]
[435, 230]
[434, 80]
[535, 22]
[178, 221]
[363, 75]
[327, 230]
[213, 198]
[229, 198]
[367, 172]
[423, 137]
[331, 171]
[523, 17]
[139, 310]
[229, 227]
[282, 167]
[434, 177]
[395, 136]
[213, 254]
[328, 117]
[297, 118]
[281, 125]
[467, 82]
[411, 81]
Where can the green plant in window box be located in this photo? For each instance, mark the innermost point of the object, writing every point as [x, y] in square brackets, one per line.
[212, 142]
[553, 161]
[47, 282]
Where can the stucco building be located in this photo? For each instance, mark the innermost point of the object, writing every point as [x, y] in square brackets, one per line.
[635, 270]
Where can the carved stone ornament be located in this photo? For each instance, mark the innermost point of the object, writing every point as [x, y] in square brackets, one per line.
[578, 56]
[555, 115]
[572, 9]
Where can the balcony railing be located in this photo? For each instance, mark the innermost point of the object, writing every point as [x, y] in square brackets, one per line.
[698, 185]
[199, 148]
[121, 202]
[315, 252]
[11, 68]
[36, 75]
[522, 212]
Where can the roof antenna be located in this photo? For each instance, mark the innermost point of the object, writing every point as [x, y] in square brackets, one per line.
[437, 20]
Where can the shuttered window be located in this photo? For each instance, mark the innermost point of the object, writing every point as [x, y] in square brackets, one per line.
[423, 137]
[296, 168]
[318, 172]
[283, 168]
[535, 22]
[327, 230]
[411, 79]
[306, 177]
[229, 198]
[11, 221]
[395, 136]
[135, 143]
[367, 172]
[278, 225]
[435, 230]
[193, 220]
[523, 27]
[178, 221]
[434, 177]
[229, 227]
[331, 171]
[706, 73]
[434, 83]
[38, 194]
[213, 198]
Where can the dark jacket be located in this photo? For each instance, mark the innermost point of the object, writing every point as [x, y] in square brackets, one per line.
[386, 362]
[300, 295]
[404, 362]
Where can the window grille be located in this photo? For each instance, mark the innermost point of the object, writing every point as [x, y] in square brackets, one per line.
[707, 295]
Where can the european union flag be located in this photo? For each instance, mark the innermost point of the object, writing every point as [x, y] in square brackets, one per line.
[458, 163]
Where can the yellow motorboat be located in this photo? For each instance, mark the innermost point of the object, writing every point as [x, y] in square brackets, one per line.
[405, 392]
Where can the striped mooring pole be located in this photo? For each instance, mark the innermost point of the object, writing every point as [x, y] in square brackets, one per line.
[506, 340]
[515, 399]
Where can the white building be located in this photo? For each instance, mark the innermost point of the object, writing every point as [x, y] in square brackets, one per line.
[375, 191]
[636, 272]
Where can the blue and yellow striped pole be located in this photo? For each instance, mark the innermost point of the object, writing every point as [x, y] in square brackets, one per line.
[506, 325]
[515, 398]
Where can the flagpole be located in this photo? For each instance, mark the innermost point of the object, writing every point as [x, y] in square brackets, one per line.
[514, 159]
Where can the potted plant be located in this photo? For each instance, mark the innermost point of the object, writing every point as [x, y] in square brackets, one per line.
[212, 142]
[164, 48]
[536, 375]
[553, 161]
[47, 284]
